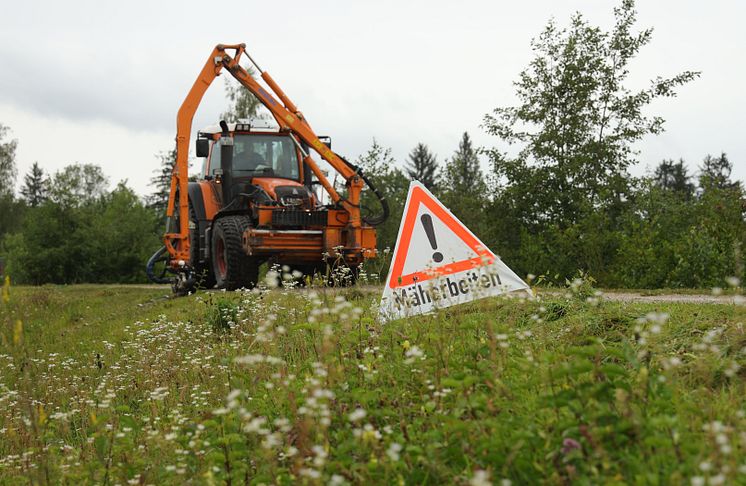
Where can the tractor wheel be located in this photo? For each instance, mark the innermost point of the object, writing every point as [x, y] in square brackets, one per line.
[232, 267]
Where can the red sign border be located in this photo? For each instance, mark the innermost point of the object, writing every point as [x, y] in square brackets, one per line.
[419, 196]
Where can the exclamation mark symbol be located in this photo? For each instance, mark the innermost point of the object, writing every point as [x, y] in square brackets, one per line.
[427, 223]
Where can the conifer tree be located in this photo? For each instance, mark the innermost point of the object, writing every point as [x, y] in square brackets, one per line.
[462, 174]
[463, 188]
[673, 176]
[715, 172]
[35, 186]
[422, 166]
[161, 181]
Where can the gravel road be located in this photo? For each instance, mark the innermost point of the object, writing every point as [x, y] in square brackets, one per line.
[685, 298]
[617, 296]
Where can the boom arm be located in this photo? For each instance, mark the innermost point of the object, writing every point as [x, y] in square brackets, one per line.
[288, 117]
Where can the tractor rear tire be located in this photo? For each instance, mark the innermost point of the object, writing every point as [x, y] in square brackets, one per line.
[232, 267]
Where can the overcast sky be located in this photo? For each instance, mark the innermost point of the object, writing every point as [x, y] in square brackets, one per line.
[100, 82]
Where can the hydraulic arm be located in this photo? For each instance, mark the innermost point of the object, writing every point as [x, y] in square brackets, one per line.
[289, 119]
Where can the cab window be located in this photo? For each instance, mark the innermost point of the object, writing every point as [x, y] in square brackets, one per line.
[259, 156]
[214, 158]
[265, 155]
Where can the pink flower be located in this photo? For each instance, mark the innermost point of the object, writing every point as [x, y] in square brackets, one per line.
[569, 445]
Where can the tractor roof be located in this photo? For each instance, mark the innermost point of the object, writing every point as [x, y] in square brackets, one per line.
[254, 124]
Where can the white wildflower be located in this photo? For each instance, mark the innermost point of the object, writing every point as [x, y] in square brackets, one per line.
[393, 451]
[413, 353]
[717, 480]
[337, 480]
[310, 473]
[357, 415]
[321, 455]
[480, 478]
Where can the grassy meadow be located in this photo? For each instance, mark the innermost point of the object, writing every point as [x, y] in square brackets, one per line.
[125, 385]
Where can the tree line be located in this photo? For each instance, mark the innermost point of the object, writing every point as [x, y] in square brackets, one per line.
[672, 228]
[556, 196]
[70, 227]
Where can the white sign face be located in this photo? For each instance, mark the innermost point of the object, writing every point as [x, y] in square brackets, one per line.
[438, 262]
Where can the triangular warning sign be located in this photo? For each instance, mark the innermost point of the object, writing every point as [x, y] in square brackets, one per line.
[438, 262]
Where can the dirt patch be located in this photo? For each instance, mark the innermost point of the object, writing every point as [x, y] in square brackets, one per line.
[683, 298]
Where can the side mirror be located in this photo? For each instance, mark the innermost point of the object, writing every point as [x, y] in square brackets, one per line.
[203, 147]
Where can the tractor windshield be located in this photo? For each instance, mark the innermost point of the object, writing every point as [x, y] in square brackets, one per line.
[260, 156]
[265, 155]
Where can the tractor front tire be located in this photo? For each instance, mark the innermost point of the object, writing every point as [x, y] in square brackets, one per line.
[232, 267]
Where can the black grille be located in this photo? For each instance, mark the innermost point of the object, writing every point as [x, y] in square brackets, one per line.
[299, 196]
[294, 217]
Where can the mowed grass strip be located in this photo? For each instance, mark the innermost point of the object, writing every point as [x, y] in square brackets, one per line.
[126, 385]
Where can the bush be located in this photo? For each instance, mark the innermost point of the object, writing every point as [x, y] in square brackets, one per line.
[104, 240]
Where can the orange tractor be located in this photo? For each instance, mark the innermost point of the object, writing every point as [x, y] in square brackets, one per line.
[255, 199]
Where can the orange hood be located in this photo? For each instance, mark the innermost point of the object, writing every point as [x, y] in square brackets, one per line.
[269, 184]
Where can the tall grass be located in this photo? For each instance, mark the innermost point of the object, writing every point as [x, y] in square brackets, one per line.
[290, 386]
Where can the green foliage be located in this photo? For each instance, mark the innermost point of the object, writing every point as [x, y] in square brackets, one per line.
[243, 104]
[7, 162]
[11, 210]
[669, 239]
[221, 314]
[49, 246]
[121, 236]
[576, 122]
[462, 173]
[77, 185]
[566, 201]
[712, 247]
[380, 167]
[83, 233]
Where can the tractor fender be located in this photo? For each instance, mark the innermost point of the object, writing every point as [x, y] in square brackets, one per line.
[196, 197]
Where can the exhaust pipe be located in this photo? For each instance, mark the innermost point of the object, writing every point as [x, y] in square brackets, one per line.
[226, 162]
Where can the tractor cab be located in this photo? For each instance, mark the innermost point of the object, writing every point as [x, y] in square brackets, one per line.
[254, 156]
